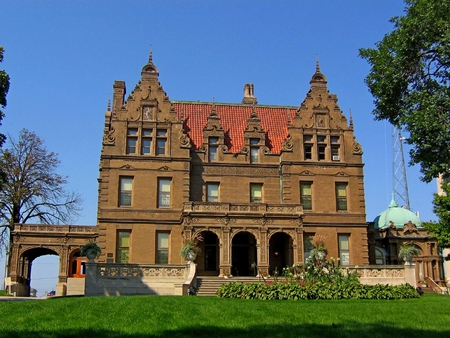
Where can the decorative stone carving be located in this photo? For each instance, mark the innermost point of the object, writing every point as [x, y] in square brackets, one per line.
[226, 220]
[409, 229]
[109, 139]
[287, 144]
[185, 141]
[356, 147]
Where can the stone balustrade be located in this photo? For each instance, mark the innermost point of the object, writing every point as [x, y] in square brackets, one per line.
[385, 274]
[243, 208]
[54, 228]
[111, 279]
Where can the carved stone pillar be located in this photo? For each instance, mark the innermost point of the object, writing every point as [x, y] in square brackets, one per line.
[263, 252]
[298, 246]
[225, 253]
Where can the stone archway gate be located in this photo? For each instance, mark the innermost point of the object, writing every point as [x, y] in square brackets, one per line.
[30, 241]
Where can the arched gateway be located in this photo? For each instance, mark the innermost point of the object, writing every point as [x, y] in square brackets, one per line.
[30, 241]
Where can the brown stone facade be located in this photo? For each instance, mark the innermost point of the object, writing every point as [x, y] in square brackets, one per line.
[256, 181]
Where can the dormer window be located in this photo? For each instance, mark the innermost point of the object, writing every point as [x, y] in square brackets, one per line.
[146, 141]
[335, 148]
[161, 140]
[308, 145]
[254, 150]
[132, 134]
[213, 146]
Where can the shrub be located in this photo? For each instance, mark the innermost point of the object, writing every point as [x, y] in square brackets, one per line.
[319, 290]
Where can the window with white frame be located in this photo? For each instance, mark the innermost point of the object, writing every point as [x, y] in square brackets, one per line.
[344, 249]
[164, 192]
[126, 189]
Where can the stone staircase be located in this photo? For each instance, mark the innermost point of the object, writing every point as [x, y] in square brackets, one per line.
[207, 286]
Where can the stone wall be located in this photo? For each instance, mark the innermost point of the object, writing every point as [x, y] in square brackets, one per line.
[138, 279]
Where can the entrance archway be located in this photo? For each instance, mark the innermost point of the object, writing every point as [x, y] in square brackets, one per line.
[30, 241]
[26, 260]
[208, 260]
[243, 254]
[44, 275]
[280, 252]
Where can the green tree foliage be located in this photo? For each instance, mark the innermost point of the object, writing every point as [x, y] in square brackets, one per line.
[4, 87]
[409, 79]
[32, 190]
[441, 207]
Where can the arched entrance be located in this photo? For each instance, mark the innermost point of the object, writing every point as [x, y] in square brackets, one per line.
[25, 268]
[208, 261]
[280, 252]
[30, 241]
[244, 254]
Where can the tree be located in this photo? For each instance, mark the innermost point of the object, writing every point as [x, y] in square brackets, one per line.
[4, 87]
[441, 207]
[32, 190]
[410, 78]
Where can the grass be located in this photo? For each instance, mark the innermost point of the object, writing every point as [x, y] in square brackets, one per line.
[158, 316]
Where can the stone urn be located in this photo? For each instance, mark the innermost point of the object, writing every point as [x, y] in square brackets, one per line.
[191, 256]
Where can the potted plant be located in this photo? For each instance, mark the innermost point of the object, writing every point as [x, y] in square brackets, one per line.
[319, 252]
[407, 252]
[91, 250]
[190, 250]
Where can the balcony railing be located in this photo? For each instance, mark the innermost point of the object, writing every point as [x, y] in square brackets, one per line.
[53, 228]
[193, 207]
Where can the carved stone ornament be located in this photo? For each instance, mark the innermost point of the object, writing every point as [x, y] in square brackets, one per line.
[226, 220]
[109, 139]
[410, 229]
[185, 141]
[287, 144]
[356, 148]
[263, 221]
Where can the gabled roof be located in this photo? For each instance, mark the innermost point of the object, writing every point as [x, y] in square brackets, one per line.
[234, 121]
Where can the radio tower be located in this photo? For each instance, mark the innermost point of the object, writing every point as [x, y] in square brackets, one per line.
[401, 194]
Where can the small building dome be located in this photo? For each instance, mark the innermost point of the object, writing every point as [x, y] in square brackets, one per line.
[397, 216]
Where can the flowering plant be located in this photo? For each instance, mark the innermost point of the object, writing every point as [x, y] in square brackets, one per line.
[192, 246]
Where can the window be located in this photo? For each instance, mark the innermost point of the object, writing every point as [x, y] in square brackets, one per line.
[306, 195]
[254, 150]
[161, 140]
[126, 185]
[321, 148]
[256, 193]
[164, 193]
[162, 255]
[344, 249]
[307, 245]
[308, 146]
[341, 196]
[213, 141]
[131, 140]
[123, 246]
[380, 257]
[146, 141]
[335, 153]
[212, 192]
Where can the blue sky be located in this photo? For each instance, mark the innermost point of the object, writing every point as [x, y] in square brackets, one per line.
[63, 57]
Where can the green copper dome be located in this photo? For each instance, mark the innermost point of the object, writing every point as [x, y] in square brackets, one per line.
[396, 214]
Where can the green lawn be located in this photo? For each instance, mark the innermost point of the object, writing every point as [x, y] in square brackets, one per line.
[158, 316]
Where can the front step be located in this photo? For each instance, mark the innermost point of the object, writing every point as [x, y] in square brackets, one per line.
[207, 286]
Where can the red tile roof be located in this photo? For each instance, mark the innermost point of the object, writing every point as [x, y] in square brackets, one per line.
[233, 118]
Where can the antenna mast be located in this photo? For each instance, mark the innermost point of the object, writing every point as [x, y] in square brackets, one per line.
[401, 194]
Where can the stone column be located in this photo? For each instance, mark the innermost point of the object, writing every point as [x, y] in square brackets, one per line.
[225, 254]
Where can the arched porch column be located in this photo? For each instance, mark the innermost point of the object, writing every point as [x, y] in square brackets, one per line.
[225, 254]
[262, 252]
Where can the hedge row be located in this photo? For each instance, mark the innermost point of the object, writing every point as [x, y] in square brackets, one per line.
[319, 290]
